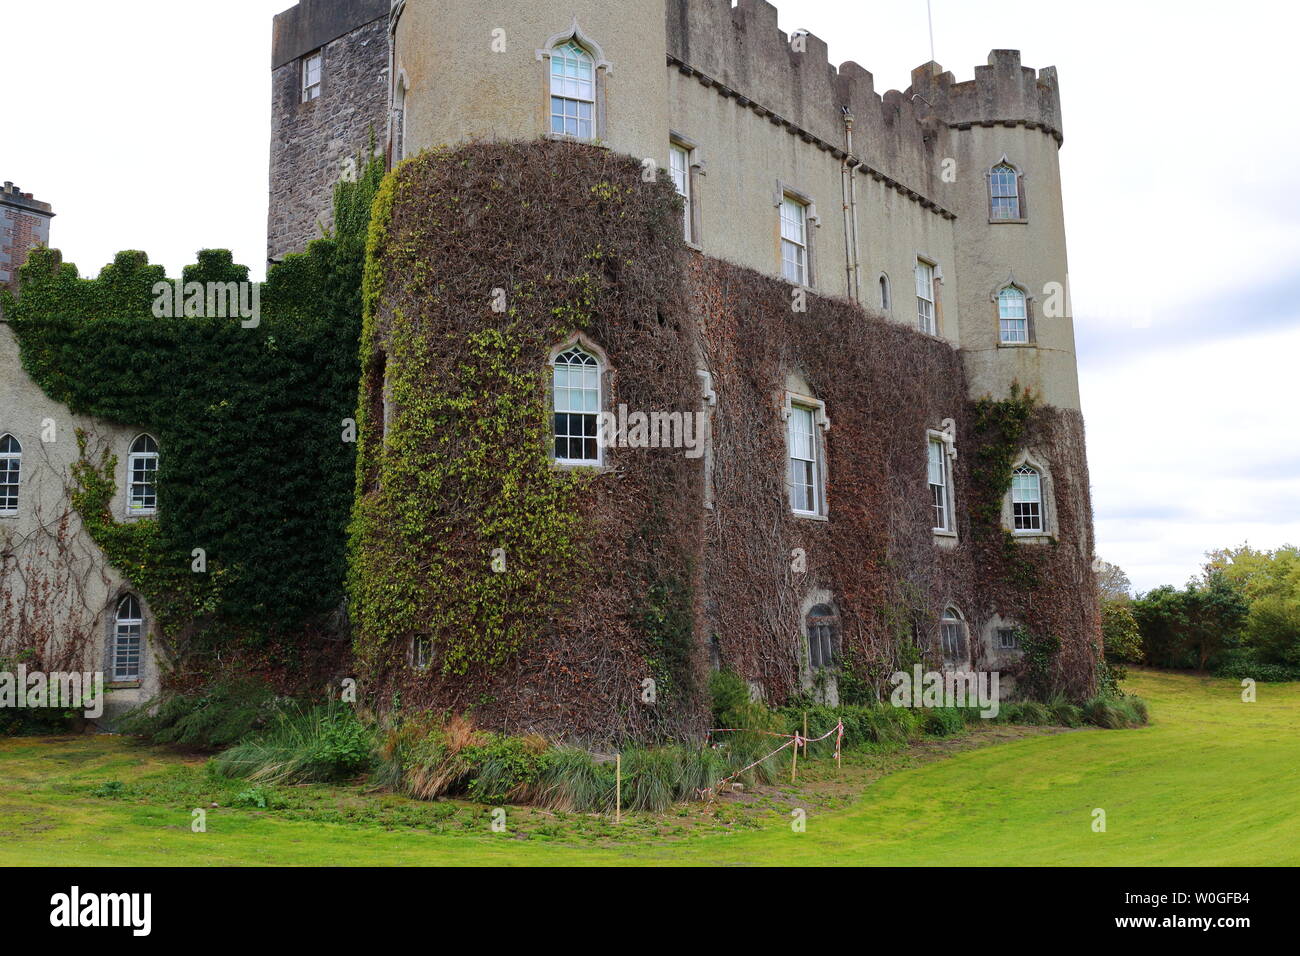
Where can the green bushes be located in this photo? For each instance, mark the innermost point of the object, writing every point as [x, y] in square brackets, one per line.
[1246, 662]
[219, 715]
[319, 744]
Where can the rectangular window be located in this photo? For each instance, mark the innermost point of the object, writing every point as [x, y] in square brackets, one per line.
[10, 469]
[1007, 639]
[939, 485]
[925, 296]
[679, 162]
[794, 240]
[127, 643]
[576, 388]
[803, 461]
[143, 489]
[950, 640]
[311, 70]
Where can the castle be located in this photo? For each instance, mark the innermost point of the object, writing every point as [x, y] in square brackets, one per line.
[672, 208]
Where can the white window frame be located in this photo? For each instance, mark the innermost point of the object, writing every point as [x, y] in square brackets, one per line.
[816, 411]
[679, 167]
[1005, 643]
[313, 69]
[926, 314]
[561, 394]
[942, 495]
[1013, 328]
[122, 632]
[1022, 470]
[576, 88]
[886, 293]
[148, 465]
[794, 239]
[11, 474]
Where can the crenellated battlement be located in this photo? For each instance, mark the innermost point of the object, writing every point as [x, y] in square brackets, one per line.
[744, 54]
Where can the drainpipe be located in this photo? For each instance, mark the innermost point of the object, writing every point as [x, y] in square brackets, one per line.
[851, 211]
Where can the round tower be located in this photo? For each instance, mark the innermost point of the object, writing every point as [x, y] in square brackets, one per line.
[588, 71]
[998, 136]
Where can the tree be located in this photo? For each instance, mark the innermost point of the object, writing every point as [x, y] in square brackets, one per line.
[1112, 583]
[1193, 627]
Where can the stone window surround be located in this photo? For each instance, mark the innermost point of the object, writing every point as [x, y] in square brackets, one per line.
[935, 290]
[578, 340]
[602, 69]
[963, 664]
[110, 642]
[1020, 193]
[811, 218]
[822, 423]
[1030, 317]
[828, 690]
[709, 397]
[1050, 530]
[989, 638]
[695, 170]
[946, 433]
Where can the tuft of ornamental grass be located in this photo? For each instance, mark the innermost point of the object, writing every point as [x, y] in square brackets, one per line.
[1113, 713]
[312, 745]
[1065, 713]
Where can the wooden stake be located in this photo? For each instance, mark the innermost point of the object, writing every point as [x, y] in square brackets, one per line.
[794, 761]
[805, 734]
[618, 788]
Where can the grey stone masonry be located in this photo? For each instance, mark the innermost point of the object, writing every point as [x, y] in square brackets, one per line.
[313, 140]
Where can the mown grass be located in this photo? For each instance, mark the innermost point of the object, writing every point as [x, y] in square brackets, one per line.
[1212, 781]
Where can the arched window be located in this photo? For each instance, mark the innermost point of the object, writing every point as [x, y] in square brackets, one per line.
[1027, 500]
[142, 476]
[1004, 192]
[952, 636]
[885, 300]
[823, 630]
[576, 391]
[128, 640]
[1013, 316]
[573, 91]
[11, 466]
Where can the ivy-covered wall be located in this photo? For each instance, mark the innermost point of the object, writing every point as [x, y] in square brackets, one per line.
[256, 461]
[548, 597]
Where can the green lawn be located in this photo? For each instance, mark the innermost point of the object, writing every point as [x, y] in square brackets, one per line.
[1212, 781]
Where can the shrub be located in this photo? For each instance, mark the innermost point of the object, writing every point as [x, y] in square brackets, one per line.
[217, 716]
[323, 743]
[1245, 662]
[505, 768]
[943, 721]
[1065, 713]
[1113, 713]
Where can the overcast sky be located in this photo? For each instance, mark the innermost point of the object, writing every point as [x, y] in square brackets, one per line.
[146, 124]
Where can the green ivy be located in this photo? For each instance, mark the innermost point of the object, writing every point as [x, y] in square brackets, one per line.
[255, 466]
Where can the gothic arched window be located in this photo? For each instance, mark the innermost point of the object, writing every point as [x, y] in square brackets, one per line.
[1013, 316]
[1027, 500]
[142, 476]
[1004, 193]
[573, 91]
[128, 640]
[576, 397]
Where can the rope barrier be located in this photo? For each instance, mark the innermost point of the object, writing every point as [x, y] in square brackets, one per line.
[796, 738]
